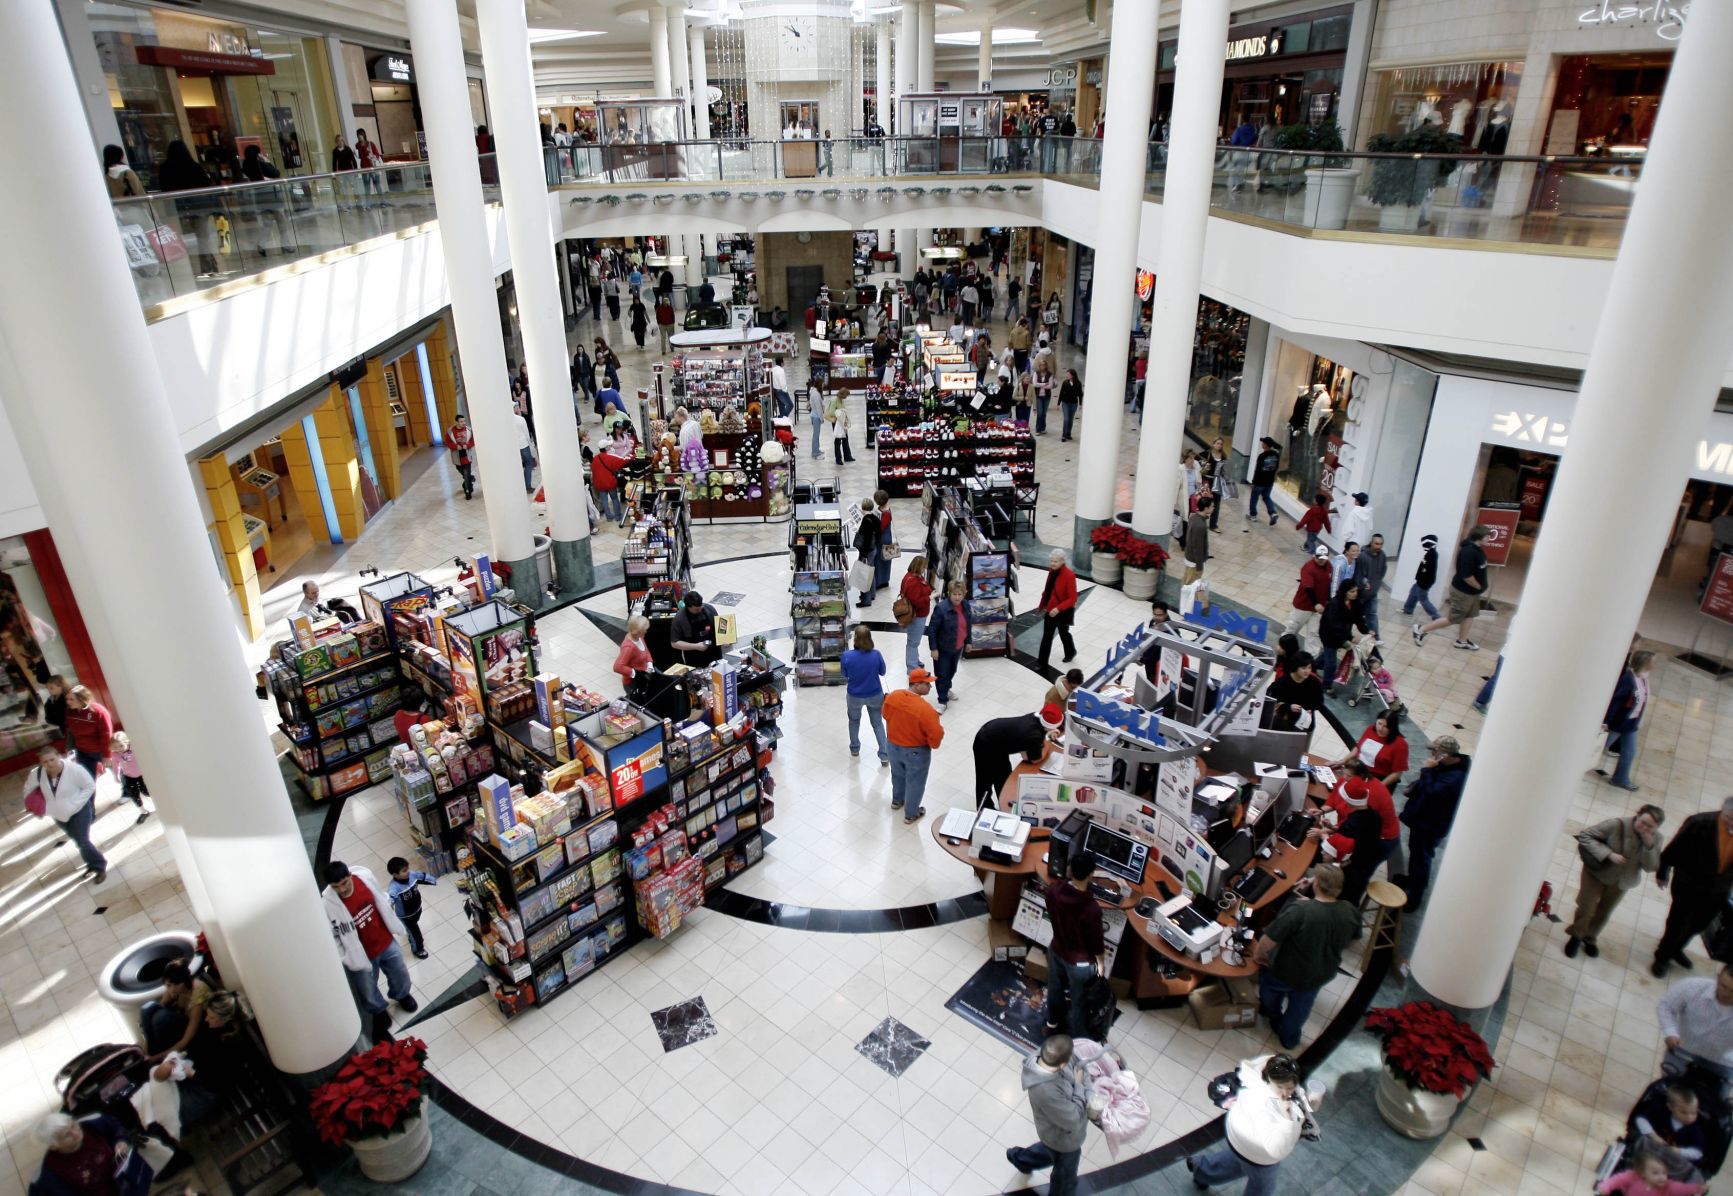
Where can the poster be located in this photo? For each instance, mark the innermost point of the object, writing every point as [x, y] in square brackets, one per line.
[1173, 786]
[636, 767]
[1718, 594]
[140, 253]
[463, 678]
[1250, 715]
[1502, 518]
[1532, 491]
[503, 657]
[1168, 673]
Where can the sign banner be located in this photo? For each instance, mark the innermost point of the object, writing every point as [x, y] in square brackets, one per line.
[1718, 594]
[1502, 518]
[1532, 490]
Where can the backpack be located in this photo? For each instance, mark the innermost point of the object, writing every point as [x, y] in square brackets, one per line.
[1100, 1007]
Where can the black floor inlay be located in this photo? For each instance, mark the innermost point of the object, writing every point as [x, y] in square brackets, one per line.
[727, 598]
[892, 1046]
[1477, 1144]
[684, 1024]
[845, 921]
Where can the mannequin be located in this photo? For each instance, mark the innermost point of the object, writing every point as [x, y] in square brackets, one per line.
[1496, 135]
[1297, 420]
[1322, 408]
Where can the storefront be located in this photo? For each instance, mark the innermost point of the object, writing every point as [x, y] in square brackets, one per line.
[1218, 363]
[41, 636]
[1474, 100]
[1285, 71]
[1606, 103]
[216, 85]
[1497, 445]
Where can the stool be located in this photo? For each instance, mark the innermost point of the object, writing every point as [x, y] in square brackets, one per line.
[1386, 928]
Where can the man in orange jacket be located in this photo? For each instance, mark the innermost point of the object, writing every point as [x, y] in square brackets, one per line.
[913, 728]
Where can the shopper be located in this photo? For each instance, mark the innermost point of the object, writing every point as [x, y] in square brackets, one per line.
[1433, 797]
[404, 890]
[1313, 592]
[122, 183]
[366, 929]
[1294, 698]
[1696, 1020]
[665, 319]
[1060, 1102]
[868, 542]
[605, 471]
[1336, 627]
[1420, 592]
[1064, 687]
[1673, 1118]
[1369, 571]
[342, 157]
[1360, 854]
[1382, 747]
[1357, 520]
[1264, 469]
[1615, 854]
[913, 730]
[90, 1156]
[1058, 608]
[1219, 475]
[918, 593]
[69, 797]
[1467, 589]
[1019, 338]
[638, 318]
[1197, 529]
[693, 631]
[779, 389]
[1070, 395]
[999, 739]
[1343, 565]
[1301, 952]
[611, 292]
[1043, 395]
[131, 773]
[887, 542]
[815, 404]
[1264, 1123]
[459, 439]
[1624, 715]
[1077, 952]
[947, 636]
[1699, 864]
[634, 658]
[54, 691]
[89, 728]
[1316, 520]
[862, 666]
[525, 447]
[170, 1022]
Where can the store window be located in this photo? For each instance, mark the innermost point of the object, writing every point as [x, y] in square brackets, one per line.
[35, 644]
[1218, 359]
[1308, 414]
[1474, 100]
[1606, 103]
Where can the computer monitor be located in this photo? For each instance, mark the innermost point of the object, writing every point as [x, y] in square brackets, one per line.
[1265, 827]
[1236, 852]
[1119, 854]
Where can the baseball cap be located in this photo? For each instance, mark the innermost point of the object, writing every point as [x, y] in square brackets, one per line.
[1321, 552]
[919, 676]
[335, 871]
[1052, 715]
[1446, 745]
[1429, 541]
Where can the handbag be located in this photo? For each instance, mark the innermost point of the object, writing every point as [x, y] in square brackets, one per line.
[903, 611]
[890, 550]
[860, 575]
[35, 802]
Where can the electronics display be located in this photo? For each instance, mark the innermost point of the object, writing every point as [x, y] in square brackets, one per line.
[1236, 852]
[1116, 853]
[1064, 837]
[1265, 827]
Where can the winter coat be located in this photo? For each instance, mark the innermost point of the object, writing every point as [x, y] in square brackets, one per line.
[1316, 519]
[1357, 525]
[343, 925]
[1433, 796]
[1336, 625]
[69, 795]
[1263, 1127]
[942, 624]
[1617, 836]
[1427, 574]
[1622, 713]
[1059, 1102]
[1314, 591]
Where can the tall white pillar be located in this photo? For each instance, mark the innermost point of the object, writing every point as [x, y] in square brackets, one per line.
[984, 64]
[1119, 219]
[87, 70]
[679, 58]
[444, 89]
[1197, 90]
[1553, 689]
[908, 58]
[505, 52]
[882, 72]
[924, 46]
[700, 83]
[166, 636]
[661, 70]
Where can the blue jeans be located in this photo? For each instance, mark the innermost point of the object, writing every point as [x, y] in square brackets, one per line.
[1069, 410]
[1065, 983]
[945, 671]
[1327, 665]
[1063, 1181]
[1041, 402]
[1287, 1008]
[162, 1026]
[365, 985]
[611, 505]
[1262, 492]
[909, 777]
[881, 571]
[1485, 694]
[817, 434]
[528, 456]
[1625, 744]
[1311, 543]
[872, 706]
[917, 633]
[77, 829]
[1419, 596]
[1220, 1166]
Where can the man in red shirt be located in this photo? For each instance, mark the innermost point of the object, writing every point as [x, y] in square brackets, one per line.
[1358, 802]
[366, 929]
[1313, 593]
[460, 440]
[1078, 952]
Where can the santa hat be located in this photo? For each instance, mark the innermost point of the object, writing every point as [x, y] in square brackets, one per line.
[1354, 792]
[1052, 715]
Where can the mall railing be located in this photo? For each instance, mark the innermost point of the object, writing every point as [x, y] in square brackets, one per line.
[183, 242]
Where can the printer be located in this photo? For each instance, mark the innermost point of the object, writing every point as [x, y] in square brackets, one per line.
[998, 838]
[1274, 777]
[1184, 927]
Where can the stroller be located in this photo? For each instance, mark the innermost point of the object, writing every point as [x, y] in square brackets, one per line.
[1715, 1116]
[1362, 671]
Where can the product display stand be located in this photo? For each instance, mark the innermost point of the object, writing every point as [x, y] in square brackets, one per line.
[819, 605]
[336, 695]
[658, 552]
[896, 407]
[960, 550]
[950, 451]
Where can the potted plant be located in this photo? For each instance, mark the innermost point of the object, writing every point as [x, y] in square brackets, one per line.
[1331, 178]
[1400, 185]
[373, 1105]
[1432, 1061]
[1142, 562]
[1104, 545]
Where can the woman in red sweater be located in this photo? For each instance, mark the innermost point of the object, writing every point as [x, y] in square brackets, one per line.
[634, 657]
[919, 593]
[1058, 607]
[1382, 749]
[89, 728]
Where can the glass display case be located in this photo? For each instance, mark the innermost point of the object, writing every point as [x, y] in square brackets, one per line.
[640, 138]
[950, 132]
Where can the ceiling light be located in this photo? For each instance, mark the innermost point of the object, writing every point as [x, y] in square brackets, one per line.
[1001, 37]
[543, 36]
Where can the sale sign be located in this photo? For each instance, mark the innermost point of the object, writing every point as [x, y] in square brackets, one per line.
[1718, 594]
[1501, 519]
[1533, 490]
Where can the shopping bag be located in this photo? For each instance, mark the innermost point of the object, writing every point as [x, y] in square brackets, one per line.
[860, 575]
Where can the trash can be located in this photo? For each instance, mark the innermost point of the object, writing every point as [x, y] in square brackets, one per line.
[544, 565]
[134, 975]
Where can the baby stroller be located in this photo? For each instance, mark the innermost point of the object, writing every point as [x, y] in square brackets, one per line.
[1714, 1117]
[1361, 665]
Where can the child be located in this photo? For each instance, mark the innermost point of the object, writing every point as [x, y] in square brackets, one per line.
[1647, 1176]
[1382, 681]
[1420, 593]
[1316, 519]
[406, 902]
[1673, 1117]
[125, 764]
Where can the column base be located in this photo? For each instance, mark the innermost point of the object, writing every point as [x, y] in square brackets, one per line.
[307, 1081]
[1487, 1021]
[1080, 550]
[574, 571]
[526, 583]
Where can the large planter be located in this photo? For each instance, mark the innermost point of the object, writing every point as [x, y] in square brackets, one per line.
[394, 1157]
[1104, 568]
[1329, 194]
[1141, 583]
[1413, 1112]
[1400, 217]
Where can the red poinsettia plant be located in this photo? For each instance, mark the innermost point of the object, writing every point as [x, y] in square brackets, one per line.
[1431, 1048]
[373, 1094]
[1141, 554]
[1110, 537]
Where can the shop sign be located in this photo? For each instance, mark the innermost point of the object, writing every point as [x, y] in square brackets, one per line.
[1145, 285]
[1521, 427]
[1501, 519]
[1062, 76]
[1718, 594]
[1668, 19]
[201, 62]
[393, 68]
[1109, 713]
[1248, 47]
[1531, 492]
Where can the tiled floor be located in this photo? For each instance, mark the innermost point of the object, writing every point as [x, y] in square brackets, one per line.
[780, 1098]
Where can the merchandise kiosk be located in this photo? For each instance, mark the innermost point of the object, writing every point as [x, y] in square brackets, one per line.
[641, 138]
[950, 132]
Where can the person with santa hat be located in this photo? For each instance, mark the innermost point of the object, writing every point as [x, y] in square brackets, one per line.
[1363, 829]
[1030, 735]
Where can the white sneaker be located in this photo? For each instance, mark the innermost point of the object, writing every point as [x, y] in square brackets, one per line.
[943, 706]
[1419, 635]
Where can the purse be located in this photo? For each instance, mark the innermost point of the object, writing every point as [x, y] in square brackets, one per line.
[903, 611]
[891, 550]
[35, 802]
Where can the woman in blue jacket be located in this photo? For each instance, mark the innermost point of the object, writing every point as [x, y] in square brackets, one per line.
[1625, 714]
[947, 635]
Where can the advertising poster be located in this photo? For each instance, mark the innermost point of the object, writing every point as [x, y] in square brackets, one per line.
[1173, 787]
[636, 767]
[1502, 518]
[503, 657]
[1718, 594]
[463, 677]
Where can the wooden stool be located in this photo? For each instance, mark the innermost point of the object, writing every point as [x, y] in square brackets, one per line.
[1386, 930]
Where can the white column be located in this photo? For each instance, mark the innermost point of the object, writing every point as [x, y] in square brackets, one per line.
[87, 69]
[661, 71]
[924, 48]
[984, 64]
[444, 89]
[1557, 674]
[882, 72]
[1115, 290]
[700, 83]
[908, 58]
[682, 66]
[1197, 89]
[166, 636]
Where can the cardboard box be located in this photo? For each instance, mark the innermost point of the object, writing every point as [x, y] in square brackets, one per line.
[1007, 944]
[1213, 1007]
[1035, 965]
